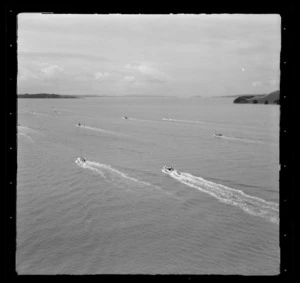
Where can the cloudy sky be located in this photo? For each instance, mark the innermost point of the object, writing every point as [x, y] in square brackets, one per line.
[180, 55]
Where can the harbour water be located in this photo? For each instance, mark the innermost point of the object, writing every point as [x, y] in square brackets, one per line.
[118, 213]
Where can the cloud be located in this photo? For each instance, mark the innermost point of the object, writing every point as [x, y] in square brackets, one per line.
[257, 84]
[39, 71]
[129, 79]
[273, 82]
[99, 75]
[149, 72]
[163, 53]
[25, 74]
[51, 70]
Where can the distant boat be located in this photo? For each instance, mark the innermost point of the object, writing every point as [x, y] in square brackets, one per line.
[218, 135]
[169, 169]
[125, 117]
[80, 160]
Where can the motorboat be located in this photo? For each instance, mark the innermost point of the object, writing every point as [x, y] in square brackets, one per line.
[168, 169]
[80, 160]
[125, 117]
[218, 135]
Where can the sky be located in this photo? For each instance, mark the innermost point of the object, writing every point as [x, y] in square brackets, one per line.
[173, 55]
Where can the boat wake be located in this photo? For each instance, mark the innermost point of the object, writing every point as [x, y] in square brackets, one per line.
[211, 123]
[35, 113]
[26, 136]
[249, 204]
[27, 132]
[114, 176]
[237, 139]
[98, 130]
[142, 120]
[184, 121]
[61, 109]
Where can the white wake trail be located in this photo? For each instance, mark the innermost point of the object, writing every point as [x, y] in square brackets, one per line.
[115, 176]
[252, 205]
[237, 139]
[184, 121]
[99, 130]
[28, 132]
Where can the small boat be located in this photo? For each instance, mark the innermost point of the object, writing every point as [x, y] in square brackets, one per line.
[218, 135]
[125, 117]
[169, 169]
[80, 160]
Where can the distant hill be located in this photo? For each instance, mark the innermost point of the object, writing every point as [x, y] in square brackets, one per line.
[45, 95]
[238, 95]
[51, 95]
[271, 98]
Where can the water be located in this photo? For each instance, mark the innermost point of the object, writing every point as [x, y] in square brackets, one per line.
[120, 214]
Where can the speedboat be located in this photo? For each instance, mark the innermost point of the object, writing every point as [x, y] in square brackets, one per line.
[168, 169]
[124, 117]
[80, 160]
[218, 135]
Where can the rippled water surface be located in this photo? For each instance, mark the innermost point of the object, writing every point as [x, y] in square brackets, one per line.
[119, 213]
